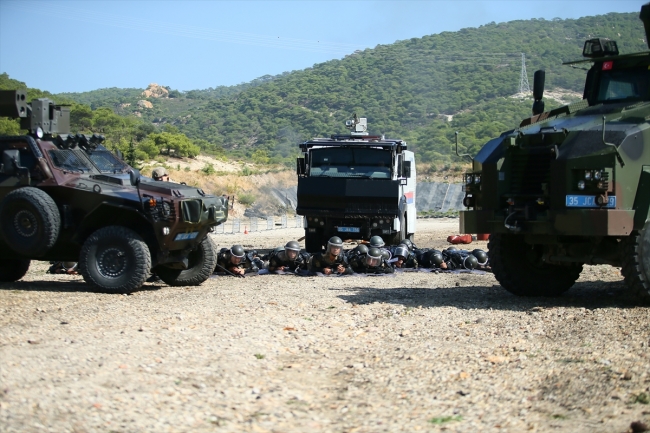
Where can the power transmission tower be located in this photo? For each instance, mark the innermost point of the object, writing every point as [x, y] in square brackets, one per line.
[524, 87]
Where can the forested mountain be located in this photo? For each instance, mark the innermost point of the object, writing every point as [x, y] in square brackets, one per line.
[421, 90]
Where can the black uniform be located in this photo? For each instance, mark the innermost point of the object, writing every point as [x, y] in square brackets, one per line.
[383, 268]
[321, 261]
[278, 258]
[250, 262]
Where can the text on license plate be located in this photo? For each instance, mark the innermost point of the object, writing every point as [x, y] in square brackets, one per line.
[573, 200]
[186, 236]
[349, 229]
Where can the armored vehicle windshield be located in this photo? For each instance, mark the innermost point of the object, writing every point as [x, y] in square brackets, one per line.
[350, 162]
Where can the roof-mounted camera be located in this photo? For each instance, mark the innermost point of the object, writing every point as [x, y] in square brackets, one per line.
[357, 126]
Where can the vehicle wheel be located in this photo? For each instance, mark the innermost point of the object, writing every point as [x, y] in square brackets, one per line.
[313, 242]
[636, 262]
[519, 268]
[201, 264]
[13, 270]
[30, 221]
[115, 259]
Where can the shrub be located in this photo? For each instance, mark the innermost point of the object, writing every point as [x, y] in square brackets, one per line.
[208, 169]
[246, 199]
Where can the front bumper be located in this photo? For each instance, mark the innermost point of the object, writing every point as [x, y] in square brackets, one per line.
[569, 222]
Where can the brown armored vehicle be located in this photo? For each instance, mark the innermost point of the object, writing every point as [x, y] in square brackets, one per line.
[66, 197]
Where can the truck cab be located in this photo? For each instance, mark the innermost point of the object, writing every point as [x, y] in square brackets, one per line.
[356, 186]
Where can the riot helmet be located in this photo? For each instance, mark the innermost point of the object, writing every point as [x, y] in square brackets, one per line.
[373, 258]
[334, 246]
[481, 256]
[470, 262]
[361, 249]
[435, 257]
[452, 248]
[377, 242]
[385, 254]
[291, 249]
[408, 244]
[236, 254]
[401, 251]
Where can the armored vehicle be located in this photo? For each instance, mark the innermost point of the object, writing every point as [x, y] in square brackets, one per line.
[65, 197]
[356, 186]
[570, 186]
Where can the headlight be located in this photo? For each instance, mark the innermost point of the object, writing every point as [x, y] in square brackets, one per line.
[166, 209]
[587, 175]
[469, 179]
[165, 231]
[598, 174]
[477, 179]
[581, 185]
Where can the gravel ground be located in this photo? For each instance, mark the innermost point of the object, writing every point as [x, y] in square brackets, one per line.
[411, 352]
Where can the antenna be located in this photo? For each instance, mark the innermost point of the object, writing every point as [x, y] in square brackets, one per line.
[524, 87]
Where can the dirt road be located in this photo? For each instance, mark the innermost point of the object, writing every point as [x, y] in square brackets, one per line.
[410, 352]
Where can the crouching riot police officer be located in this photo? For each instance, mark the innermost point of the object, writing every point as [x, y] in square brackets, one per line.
[332, 260]
[357, 255]
[374, 263]
[458, 259]
[288, 259]
[236, 261]
[403, 258]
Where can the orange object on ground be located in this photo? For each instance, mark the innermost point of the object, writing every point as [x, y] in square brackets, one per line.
[482, 236]
[460, 239]
[245, 230]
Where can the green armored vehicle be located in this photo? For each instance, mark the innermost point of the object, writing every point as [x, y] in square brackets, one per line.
[65, 197]
[570, 186]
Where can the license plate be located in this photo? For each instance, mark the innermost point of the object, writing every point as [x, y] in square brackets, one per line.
[186, 236]
[588, 201]
[349, 229]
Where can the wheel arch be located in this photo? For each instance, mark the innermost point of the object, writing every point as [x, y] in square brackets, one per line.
[642, 199]
[110, 214]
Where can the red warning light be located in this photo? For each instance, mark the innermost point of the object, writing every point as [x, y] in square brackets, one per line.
[608, 66]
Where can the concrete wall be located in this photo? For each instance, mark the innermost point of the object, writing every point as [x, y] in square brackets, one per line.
[430, 196]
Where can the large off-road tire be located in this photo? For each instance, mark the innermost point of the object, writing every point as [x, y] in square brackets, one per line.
[313, 242]
[201, 264]
[115, 259]
[13, 269]
[29, 221]
[519, 268]
[636, 262]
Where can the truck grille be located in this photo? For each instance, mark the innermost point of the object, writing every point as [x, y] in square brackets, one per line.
[530, 171]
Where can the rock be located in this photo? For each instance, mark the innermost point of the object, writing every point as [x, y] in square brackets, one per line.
[155, 91]
[638, 427]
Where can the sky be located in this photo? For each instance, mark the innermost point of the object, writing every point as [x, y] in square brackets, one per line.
[77, 46]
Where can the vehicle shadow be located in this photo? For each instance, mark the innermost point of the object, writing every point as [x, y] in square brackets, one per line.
[591, 295]
[63, 286]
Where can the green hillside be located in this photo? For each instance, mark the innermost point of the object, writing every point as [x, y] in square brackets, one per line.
[406, 90]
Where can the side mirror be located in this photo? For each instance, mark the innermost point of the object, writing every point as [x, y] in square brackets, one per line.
[135, 177]
[538, 91]
[10, 161]
[119, 154]
[301, 167]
